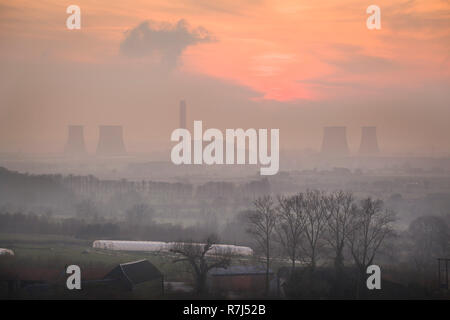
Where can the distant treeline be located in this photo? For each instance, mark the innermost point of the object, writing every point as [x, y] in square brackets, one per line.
[56, 190]
[22, 190]
[41, 224]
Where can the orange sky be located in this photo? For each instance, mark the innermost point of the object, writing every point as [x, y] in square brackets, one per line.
[283, 49]
[294, 65]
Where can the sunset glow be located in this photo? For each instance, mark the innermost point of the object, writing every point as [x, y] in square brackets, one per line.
[284, 51]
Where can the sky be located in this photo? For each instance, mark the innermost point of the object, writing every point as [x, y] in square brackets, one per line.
[293, 65]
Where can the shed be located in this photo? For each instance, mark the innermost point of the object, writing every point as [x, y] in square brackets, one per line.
[134, 273]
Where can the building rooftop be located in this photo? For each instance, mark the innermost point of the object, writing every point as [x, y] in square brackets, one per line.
[134, 272]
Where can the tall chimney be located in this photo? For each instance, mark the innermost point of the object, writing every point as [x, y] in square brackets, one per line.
[110, 141]
[335, 141]
[75, 141]
[369, 142]
[183, 114]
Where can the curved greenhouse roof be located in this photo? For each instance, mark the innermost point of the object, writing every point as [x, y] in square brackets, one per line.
[6, 252]
[158, 246]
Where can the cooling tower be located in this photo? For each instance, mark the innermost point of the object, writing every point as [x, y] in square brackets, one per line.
[369, 142]
[75, 141]
[335, 141]
[110, 141]
[183, 114]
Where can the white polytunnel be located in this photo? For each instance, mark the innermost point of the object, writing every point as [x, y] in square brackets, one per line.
[158, 246]
[6, 252]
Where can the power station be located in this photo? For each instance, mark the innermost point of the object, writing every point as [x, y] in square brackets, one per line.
[75, 141]
[335, 141]
[369, 141]
[110, 141]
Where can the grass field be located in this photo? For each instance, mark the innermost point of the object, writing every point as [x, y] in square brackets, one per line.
[45, 257]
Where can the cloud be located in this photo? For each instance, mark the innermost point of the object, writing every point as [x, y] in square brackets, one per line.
[225, 6]
[322, 82]
[354, 60]
[414, 22]
[410, 17]
[360, 63]
[163, 40]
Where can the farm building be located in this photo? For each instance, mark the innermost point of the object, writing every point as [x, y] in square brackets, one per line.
[239, 280]
[131, 274]
[158, 246]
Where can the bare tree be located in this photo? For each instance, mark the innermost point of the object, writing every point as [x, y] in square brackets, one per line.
[291, 224]
[430, 239]
[201, 260]
[341, 208]
[372, 225]
[315, 225]
[261, 225]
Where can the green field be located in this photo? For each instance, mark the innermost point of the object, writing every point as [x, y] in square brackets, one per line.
[45, 257]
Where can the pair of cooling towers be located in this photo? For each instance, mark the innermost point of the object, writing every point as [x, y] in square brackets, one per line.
[110, 141]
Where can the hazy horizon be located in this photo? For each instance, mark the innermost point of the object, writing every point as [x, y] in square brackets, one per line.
[257, 64]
